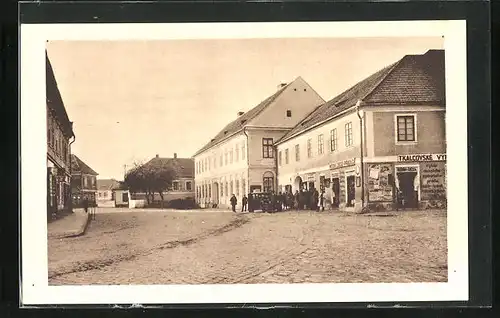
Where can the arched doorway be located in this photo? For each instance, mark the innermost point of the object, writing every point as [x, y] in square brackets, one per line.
[297, 184]
[215, 193]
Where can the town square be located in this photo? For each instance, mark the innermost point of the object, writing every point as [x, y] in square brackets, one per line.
[255, 168]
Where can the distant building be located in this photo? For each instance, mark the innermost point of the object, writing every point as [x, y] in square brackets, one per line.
[83, 182]
[60, 136]
[182, 186]
[106, 192]
[241, 158]
[379, 143]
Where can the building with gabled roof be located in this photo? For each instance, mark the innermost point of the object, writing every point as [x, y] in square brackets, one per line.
[182, 186]
[380, 144]
[60, 136]
[106, 192]
[83, 182]
[240, 158]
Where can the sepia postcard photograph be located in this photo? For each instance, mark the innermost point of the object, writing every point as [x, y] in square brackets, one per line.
[244, 162]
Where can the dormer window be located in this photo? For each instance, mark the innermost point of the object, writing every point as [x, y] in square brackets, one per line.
[243, 121]
[225, 132]
[288, 113]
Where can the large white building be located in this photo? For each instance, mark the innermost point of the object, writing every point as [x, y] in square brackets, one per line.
[382, 136]
[241, 158]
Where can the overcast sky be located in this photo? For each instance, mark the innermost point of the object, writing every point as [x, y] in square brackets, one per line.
[132, 100]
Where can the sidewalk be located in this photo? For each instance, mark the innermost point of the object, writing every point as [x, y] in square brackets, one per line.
[71, 225]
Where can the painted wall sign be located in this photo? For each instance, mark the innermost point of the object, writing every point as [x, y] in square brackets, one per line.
[344, 163]
[422, 157]
[433, 184]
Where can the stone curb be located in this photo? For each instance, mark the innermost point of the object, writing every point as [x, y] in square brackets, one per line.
[81, 231]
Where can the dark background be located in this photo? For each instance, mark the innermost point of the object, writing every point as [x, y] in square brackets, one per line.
[479, 129]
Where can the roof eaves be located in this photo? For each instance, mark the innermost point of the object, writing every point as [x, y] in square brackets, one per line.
[202, 150]
[312, 127]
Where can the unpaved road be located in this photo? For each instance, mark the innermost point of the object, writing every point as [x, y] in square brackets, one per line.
[220, 247]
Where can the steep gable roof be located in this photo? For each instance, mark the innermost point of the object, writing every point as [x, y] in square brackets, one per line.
[107, 184]
[414, 79]
[54, 99]
[183, 167]
[78, 166]
[242, 120]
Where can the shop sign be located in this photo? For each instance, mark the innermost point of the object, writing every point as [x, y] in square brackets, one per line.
[310, 176]
[422, 157]
[344, 163]
[407, 169]
[433, 185]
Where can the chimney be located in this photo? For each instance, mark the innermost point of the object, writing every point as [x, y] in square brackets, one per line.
[240, 113]
[157, 156]
[281, 85]
[175, 155]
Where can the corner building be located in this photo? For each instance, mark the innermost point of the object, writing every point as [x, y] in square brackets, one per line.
[241, 157]
[380, 144]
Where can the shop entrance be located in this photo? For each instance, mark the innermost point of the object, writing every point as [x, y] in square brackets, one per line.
[255, 188]
[336, 191]
[408, 194]
[215, 193]
[351, 190]
[310, 185]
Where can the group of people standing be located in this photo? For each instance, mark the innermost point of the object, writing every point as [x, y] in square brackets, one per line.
[310, 199]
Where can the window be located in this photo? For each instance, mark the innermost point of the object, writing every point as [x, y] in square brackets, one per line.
[320, 144]
[406, 128]
[220, 161]
[175, 185]
[297, 153]
[309, 148]
[288, 113]
[226, 185]
[267, 148]
[221, 189]
[188, 185]
[231, 188]
[243, 186]
[243, 151]
[279, 158]
[225, 158]
[348, 134]
[237, 153]
[286, 156]
[237, 186]
[268, 182]
[209, 163]
[333, 139]
[231, 156]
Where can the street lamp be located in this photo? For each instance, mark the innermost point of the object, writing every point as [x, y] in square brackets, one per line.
[361, 114]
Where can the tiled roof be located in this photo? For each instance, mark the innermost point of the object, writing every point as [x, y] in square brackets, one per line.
[183, 167]
[54, 99]
[78, 166]
[241, 121]
[414, 79]
[107, 184]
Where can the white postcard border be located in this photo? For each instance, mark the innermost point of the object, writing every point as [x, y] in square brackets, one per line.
[34, 285]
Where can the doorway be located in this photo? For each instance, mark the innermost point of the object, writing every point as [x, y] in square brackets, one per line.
[310, 185]
[351, 191]
[255, 188]
[336, 191]
[215, 193]
[408, 194]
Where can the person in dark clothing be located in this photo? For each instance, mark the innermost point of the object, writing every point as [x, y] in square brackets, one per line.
[86, 205]
[233, 202]
[244, 202]
[315, 198]
[279, 202]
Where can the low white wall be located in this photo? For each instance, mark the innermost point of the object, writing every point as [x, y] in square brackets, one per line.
[136, 204]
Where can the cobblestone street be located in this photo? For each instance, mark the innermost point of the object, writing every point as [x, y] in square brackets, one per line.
[169, 247]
